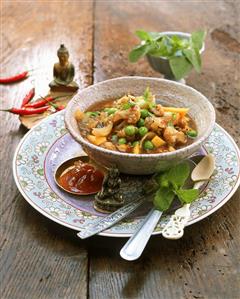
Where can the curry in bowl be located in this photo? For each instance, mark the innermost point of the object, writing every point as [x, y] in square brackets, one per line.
[136, 125]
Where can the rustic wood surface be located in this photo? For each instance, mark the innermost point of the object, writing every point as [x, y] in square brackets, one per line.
[41, 259]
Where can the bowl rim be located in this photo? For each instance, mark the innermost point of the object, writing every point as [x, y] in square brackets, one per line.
[191, 147]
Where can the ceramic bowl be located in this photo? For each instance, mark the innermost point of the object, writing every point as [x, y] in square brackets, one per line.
[161, 64]
[168, 93]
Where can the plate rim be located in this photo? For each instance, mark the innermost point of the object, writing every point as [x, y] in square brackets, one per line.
[106, 233]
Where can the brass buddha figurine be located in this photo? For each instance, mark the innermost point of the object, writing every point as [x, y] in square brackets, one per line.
[63, 73]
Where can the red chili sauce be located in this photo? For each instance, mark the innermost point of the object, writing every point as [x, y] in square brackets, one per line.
[82, 178]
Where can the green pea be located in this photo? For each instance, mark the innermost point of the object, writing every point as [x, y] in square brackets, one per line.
[142, 131]
[135, 143]
[174, 116]
[129, 130]
[122, 141]
[114, 138]
[144, 113]
[192, 134]
[140, 123]
[148, 145]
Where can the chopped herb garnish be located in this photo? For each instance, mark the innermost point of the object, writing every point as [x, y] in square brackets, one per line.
[95, 113]
[110, 110]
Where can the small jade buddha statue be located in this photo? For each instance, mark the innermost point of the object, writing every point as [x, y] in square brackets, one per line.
[109, 198]
[63, 72]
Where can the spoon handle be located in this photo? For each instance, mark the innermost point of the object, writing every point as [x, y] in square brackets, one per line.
[136, 244]
[174, 229]
[111, 219]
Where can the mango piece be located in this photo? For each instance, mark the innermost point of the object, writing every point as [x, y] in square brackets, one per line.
[182, 111]
[96, 140]
[122, 147]
[136, 149]
[157, 141]
[78, 115]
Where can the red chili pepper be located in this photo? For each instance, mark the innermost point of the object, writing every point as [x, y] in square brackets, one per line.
[58, 108]
[42, 102]
[61, 107]
[15, 78]
[28, 97]
[27, 111]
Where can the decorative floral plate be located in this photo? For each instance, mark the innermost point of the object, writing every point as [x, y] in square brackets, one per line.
[48, 144]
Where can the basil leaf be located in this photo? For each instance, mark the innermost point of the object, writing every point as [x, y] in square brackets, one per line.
[194, 57]
[182, 53]
[178, 174]
[155, 35]
[188, 195]
[139, 52]
[163, 199]
[143, 35]
[161, 48]
[197, 39]
[162, 180]
[180, 66]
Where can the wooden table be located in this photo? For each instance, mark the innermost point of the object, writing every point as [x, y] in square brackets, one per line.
[41, 259]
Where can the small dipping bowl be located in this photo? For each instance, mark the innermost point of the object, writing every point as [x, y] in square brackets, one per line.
[68, 165]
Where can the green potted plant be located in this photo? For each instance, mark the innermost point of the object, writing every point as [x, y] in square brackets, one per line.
[174, 54]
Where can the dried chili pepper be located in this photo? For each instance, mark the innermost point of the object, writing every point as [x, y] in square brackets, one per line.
[27, 111]
[28, 97]
[16, 78]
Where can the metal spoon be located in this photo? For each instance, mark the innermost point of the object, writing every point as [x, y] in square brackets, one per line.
[133, 249]
[174, 229]
[67, 165]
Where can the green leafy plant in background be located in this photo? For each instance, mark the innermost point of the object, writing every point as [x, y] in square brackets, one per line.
[183, 53]
[170, 184]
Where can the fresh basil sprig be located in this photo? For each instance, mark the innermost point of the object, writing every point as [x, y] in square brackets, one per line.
[170, 184]
[183, 53]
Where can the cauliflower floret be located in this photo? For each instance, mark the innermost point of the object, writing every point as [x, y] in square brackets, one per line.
[173, 136]
[121, 133]
[158, 110]
[131, 115]
[156, 124]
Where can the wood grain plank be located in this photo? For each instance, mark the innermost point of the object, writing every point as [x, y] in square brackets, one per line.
[205, 262]
[39, 259]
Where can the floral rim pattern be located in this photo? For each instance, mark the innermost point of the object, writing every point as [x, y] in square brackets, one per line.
[30, 158]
